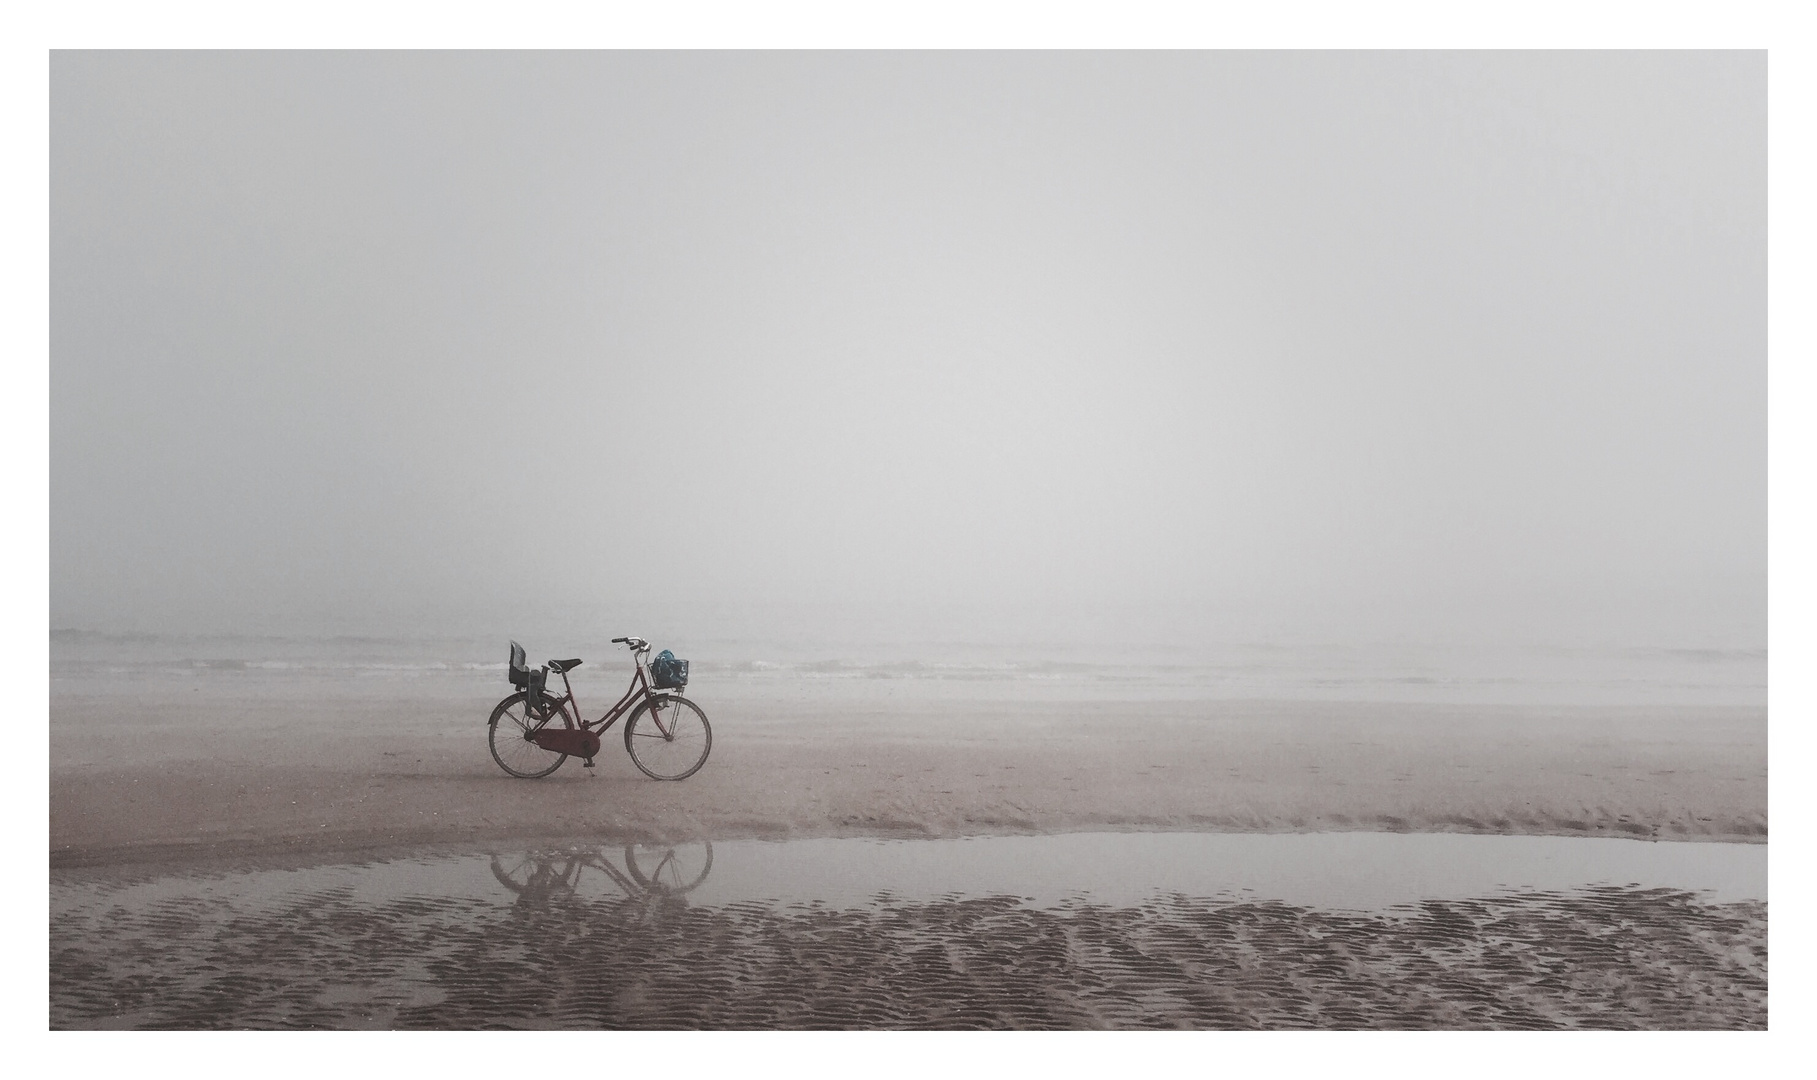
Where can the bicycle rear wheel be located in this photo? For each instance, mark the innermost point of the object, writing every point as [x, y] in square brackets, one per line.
[669, 738]
[508, 733]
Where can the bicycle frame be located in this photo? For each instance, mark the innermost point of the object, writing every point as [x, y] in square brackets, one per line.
[639, 691]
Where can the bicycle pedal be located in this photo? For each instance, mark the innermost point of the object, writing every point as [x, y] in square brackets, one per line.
[588, 763]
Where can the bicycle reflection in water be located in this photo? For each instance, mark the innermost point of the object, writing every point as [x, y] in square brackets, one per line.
[651, 871]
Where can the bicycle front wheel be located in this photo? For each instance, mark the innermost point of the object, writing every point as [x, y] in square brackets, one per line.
[669, 738]
[509, 731]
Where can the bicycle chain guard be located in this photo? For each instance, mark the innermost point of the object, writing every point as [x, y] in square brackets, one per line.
[571, 741]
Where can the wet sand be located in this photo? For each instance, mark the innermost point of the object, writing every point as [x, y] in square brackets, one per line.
[220, 764]
[1601, 958]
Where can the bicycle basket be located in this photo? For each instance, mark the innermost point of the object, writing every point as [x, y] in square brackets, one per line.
[668, 672]
[519, 671]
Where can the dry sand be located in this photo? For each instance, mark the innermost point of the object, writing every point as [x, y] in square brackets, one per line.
[153, 767]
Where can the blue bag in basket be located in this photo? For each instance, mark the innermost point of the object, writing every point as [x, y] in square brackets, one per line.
[668, 672]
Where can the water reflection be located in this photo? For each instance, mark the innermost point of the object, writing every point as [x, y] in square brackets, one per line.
[649, 870]
[1006, 932]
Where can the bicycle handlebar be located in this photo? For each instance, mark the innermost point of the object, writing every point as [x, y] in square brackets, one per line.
[636, 644]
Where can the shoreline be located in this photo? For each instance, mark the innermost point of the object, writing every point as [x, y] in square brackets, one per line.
[166, 855]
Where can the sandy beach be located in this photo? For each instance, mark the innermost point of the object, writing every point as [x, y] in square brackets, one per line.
[325, 843]
[235, 846]
[148, 767]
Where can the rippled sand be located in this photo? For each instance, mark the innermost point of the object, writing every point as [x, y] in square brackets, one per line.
[1589, 958]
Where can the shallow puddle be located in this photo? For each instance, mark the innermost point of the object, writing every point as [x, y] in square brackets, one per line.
[1084, 930]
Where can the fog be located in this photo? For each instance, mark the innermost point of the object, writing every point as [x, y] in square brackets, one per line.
[1429, 345]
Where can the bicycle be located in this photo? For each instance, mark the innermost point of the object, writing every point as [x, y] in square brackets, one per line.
[532, 732]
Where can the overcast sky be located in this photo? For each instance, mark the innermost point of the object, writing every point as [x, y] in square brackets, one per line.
[1444, 343]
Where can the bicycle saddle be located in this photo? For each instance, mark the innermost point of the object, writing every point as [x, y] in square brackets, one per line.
[559, 666]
